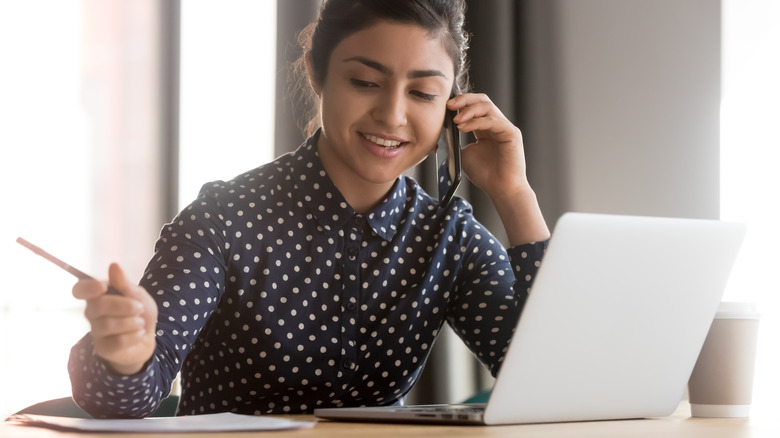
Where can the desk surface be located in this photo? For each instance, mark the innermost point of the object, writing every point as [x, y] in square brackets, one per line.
[678, 425]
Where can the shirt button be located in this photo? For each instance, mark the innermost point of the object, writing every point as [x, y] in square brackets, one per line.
[359, 220]
[352, 253]
[346, 364]
[351, 306]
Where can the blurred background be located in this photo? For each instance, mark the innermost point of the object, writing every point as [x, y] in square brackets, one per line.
[113, 113]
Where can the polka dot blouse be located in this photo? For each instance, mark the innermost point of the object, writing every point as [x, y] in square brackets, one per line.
[276, 297]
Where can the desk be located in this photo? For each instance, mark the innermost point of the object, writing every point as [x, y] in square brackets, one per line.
[678, 425]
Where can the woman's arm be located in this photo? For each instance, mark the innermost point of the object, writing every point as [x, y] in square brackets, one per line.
[491, 291]
[127, 374]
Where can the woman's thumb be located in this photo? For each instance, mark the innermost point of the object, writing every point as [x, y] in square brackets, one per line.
[118, 281]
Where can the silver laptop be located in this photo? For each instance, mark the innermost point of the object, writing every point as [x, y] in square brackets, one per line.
[612, 329]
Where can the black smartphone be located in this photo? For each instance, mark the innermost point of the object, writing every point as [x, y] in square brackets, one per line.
[448, 167]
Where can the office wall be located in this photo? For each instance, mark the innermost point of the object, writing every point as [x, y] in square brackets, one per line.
[623, 108]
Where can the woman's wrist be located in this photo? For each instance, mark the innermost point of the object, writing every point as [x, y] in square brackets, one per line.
[521, 215]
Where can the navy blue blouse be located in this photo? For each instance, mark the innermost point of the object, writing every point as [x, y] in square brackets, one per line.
[275, 296]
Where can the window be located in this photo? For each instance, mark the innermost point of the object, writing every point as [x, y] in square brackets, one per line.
[228, 65]
[78, 109]
[750, 168]
[79, 100]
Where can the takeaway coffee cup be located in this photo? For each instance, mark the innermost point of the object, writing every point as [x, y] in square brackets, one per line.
[721, 384]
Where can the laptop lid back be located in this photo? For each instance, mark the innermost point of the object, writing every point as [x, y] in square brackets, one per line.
[615, 319]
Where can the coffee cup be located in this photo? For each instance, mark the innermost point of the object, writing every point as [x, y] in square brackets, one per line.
[721, 384]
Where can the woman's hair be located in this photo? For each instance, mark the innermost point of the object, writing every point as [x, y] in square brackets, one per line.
[338, 19]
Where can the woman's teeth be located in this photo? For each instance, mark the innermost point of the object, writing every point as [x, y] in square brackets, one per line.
[390, 144]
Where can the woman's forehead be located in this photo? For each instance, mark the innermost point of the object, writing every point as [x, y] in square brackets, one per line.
[398, 47]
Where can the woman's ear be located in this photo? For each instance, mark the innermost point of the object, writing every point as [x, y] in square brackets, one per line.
[310, 73]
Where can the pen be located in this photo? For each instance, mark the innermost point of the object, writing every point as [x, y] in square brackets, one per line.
[73, 271]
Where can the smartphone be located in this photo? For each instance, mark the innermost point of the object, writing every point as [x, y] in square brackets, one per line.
[448, 167]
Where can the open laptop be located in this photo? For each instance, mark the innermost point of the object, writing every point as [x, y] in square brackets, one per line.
[612, 328]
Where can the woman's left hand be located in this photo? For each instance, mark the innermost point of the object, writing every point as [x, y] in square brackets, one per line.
[496, 164]
[496, 161]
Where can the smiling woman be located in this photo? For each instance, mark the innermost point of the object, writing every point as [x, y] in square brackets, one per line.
[331, 236]
[391, 100]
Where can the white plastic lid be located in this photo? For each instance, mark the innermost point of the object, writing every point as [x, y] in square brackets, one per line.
[737, 310]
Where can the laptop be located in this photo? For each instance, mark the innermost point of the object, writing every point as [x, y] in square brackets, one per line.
[612, 328]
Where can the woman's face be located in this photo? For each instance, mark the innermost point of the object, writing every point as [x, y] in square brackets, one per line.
[382, 103]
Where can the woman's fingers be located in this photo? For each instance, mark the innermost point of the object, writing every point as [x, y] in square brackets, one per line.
[495, 162]
[123, 327]
[112, 306]
[499, 129]
[112, 325]
[88, 289]
[467, 99]
[477, 110]
[118, 280]
[479, 115]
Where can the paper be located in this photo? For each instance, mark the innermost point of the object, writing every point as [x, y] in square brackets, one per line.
[223, 422]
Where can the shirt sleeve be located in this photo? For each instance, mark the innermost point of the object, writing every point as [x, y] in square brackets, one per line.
[489, 298]
[186, 278]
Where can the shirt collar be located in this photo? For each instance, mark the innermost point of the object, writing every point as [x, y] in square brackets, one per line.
[326, 203]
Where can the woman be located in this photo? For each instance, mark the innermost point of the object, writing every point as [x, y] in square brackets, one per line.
[323, 278]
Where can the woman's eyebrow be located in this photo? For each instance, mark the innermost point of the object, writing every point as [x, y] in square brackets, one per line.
[381, 68]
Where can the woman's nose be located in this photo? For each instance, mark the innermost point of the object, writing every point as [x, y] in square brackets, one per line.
[390, 109]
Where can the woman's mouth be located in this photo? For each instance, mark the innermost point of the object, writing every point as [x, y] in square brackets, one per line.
[385, 143]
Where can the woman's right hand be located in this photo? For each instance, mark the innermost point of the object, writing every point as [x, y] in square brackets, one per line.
[123, 327]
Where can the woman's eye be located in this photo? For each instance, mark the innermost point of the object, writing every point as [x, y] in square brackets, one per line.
[424, 96]
[363, 84]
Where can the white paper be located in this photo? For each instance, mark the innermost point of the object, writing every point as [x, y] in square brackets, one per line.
[222, 422]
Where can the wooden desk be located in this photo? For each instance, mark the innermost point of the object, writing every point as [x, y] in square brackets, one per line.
[678, 425]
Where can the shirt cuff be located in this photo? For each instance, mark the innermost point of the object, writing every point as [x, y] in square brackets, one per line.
[528, 252]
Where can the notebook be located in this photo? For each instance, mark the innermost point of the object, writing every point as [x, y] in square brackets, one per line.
[612, 328]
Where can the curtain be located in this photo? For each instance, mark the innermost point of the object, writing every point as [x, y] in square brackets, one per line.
[496, 68]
